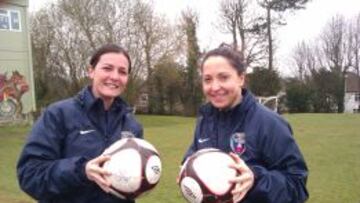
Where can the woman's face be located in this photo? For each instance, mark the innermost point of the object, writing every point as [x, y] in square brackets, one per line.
[109, 76]
[221, 82]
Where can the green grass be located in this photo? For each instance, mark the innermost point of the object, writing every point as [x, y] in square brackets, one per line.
[331, 146]
[11, 141]
[329, 142]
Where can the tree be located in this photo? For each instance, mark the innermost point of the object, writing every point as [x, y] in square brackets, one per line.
[50, 83]
[156, 39]
[325, 85]
[245, 27]
[67, 32]
[305, 60]
[166, 80]
[192, 96]
[336, 55]
[264, 82]
[325, 63]
[354, 43]
[279, 7]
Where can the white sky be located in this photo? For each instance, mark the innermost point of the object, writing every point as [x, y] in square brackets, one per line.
[301, 25]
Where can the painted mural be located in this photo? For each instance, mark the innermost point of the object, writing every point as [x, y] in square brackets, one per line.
[12, 88]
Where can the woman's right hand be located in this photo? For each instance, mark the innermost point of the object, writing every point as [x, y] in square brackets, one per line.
[96, 173]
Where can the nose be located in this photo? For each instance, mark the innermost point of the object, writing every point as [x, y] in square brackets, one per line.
[114, 75]
[215, 85]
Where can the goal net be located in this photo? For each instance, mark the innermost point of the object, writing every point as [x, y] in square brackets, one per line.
[271, 102]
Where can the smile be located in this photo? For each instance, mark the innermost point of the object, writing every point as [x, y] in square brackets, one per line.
[111, 85]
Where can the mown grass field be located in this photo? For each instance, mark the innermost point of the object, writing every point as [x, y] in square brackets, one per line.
[329, 142]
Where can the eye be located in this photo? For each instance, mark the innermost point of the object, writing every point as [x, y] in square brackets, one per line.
[123, 72]
[206, 80]
[223, 77]
[107, 68]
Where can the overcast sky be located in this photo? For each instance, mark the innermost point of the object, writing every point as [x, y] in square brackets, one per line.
[302, 25]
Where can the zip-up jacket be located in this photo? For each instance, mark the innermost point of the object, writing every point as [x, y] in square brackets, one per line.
[268, 148]
[69, 133]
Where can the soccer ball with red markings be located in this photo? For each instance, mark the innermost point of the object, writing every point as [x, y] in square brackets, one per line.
[135, 167]
[204, 177]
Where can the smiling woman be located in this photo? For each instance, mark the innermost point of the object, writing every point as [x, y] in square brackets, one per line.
[61, 161]
[261, 143]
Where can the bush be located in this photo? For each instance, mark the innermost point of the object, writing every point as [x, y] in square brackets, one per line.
[298, 96]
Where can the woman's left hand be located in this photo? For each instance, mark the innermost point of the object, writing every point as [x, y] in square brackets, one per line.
[244, 181]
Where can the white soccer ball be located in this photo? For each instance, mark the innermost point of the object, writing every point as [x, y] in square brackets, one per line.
[135, 167]
[204, 177]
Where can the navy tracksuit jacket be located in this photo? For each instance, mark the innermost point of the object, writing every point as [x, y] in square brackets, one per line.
[51, 167]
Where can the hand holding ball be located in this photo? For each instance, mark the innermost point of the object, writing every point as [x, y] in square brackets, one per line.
[205, 177]
[135, 167]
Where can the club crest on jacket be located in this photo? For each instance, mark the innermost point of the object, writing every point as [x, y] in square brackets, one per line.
[237, 143]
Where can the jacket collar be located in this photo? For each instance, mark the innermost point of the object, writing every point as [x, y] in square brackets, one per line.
[87, 100]
[248, 100]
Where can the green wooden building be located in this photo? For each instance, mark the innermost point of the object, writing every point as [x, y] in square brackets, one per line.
[17, 96]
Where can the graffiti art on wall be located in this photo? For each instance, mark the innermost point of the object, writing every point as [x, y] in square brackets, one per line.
[12, 89]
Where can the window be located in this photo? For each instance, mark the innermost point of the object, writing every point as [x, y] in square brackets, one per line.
[357, 97]
[10, 20]
[4, 20]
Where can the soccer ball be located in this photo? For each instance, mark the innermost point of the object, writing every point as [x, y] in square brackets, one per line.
[204, 177]
[135, 167]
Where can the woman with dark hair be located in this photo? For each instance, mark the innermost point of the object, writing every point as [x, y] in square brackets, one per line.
[61, 161]
[270, 165]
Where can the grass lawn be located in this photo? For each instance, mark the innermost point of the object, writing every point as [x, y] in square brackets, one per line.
[329, 142]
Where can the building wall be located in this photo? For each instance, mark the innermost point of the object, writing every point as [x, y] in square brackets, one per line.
[15, 50]
[350, 103]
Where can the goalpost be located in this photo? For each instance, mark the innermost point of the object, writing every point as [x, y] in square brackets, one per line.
[272, 102]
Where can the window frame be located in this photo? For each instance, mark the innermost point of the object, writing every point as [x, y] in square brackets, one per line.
[10, 19]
